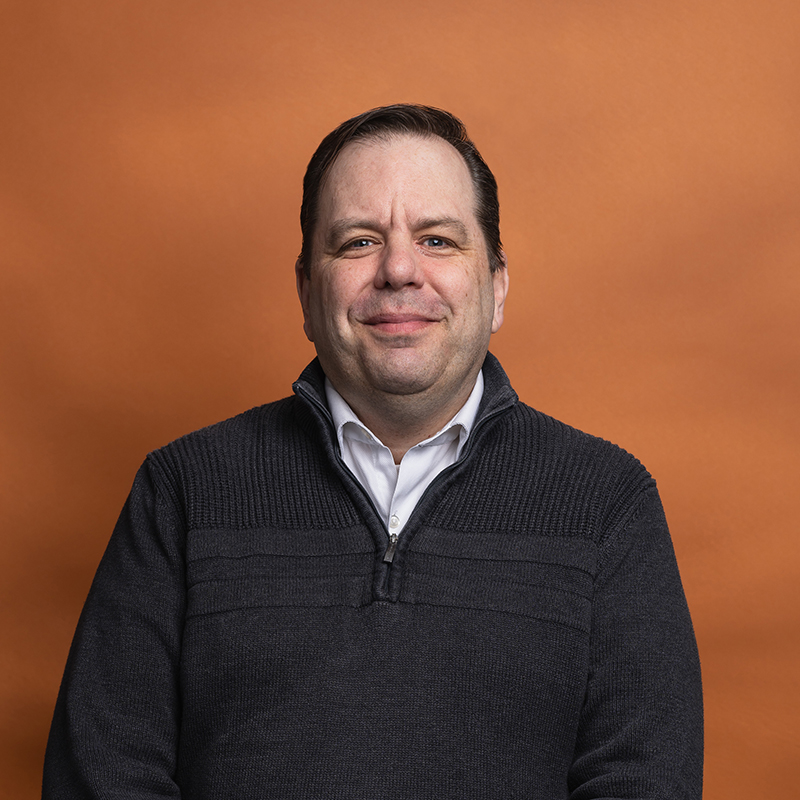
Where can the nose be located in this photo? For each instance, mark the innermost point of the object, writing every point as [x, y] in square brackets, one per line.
[398, 266]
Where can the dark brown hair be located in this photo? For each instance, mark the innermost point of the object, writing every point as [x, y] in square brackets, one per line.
[402, 119]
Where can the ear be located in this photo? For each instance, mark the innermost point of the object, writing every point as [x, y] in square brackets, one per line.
[304, 293]
[500, 281]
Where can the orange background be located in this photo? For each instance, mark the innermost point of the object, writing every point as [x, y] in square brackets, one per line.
[648, 156]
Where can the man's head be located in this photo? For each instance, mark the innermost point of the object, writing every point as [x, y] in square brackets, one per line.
[398, 293]
[397, 120]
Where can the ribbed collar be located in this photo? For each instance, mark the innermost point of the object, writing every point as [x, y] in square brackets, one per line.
[497, 393]
[345, 422]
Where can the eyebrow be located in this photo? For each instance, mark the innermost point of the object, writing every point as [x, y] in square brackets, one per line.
[339, 229]
[443, 222]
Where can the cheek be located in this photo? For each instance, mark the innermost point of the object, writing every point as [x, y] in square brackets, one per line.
[468, 297]
[349, 288]
[331, 304]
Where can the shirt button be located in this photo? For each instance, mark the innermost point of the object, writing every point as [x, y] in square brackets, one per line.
[394, 521]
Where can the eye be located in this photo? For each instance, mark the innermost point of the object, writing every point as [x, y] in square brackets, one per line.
[436, 242]
[358, 243]
[356, 247]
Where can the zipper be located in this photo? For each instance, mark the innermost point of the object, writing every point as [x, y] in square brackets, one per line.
[388, 556]
[323, 409]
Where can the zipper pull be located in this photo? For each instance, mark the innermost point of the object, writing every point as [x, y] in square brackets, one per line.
[389, 554]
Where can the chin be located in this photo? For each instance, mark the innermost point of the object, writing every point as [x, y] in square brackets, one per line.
[403, 376]
[401, 388]
[400, 382]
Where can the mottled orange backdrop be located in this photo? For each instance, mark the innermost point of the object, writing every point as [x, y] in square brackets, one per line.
[648, 155]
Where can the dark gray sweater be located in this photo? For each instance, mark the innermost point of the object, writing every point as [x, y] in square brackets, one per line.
[246, 638]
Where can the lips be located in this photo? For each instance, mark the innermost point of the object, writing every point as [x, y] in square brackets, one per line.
[399, 323]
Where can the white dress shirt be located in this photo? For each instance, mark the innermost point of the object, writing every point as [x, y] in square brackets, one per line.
[396, 489]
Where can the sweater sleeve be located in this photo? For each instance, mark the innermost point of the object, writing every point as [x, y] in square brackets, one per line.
[641, 727]
[115, 728]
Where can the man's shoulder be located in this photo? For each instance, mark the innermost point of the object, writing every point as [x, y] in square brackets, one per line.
[237, 440]
[228, 473]
[530, 436]
[539, 468]
[543, 436]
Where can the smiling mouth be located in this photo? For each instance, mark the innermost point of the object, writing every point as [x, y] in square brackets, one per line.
[399, 323]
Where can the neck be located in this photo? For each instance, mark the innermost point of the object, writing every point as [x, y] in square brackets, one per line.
[402, 421]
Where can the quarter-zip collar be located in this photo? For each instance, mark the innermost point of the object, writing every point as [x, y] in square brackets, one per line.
[497, 396]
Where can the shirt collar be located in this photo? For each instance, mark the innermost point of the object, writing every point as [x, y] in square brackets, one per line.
[348, 424]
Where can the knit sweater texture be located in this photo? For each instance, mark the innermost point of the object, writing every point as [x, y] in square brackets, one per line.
[245, 636]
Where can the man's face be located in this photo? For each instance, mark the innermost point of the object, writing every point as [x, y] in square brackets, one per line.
[400, 299]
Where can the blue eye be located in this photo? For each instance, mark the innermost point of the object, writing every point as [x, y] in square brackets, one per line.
[435, 241]
[359, 244]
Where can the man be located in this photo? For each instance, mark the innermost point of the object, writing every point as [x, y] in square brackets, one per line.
[401, 582]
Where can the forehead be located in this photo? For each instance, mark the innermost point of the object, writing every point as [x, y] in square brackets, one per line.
[419, 175]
